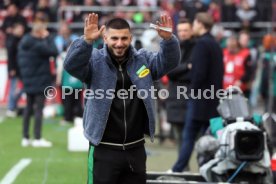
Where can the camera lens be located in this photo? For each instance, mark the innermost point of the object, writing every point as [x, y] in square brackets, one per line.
[249, 145]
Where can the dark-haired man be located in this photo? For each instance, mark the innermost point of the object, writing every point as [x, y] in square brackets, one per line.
[115, 123]
[207, 74]
[180, 77]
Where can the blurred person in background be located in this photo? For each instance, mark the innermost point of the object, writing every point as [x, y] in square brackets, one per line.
[248, 47]
[228, 11]
[246, 43]
[14, 27]
[40, 15]
[18, 31]
[67, 15]
[28, 13]
[206, 74]
[72, 103]
[220, 34]
[245, 14]
[33, 59]
[264, 10]
[238, 68]
[13, 17]
[80, 15]
[64, 37]
[44, 6]
[268, 58]
[214, 11]
[116, 125]
[71, 86]
[193, 7]
[273, 11]
[180, 76]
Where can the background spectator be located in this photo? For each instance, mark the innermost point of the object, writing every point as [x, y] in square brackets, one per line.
[207, 72]
[214, 11]
[64, 37]
[245, 14]
[180, 77]
[13, 17]
[33, 58]
[238, 68]
[229, 11]
[268, 42]
[43, 6]
[264, 10]
[13, 71]
[72, 103]
[14, 26]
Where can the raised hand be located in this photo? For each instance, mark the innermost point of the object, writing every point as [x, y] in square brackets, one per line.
[165, 21]
[91, 31]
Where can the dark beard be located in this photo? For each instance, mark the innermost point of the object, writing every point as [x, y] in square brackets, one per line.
[116, 58]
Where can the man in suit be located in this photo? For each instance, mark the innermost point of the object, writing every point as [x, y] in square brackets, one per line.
[207, 74]
[180, 76]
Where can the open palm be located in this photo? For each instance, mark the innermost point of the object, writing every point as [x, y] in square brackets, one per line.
[91, 31]
[165, 21]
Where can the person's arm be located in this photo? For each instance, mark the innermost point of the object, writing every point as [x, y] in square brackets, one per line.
[181, 72]
[79, 54]
[168, 56]
[77, 59]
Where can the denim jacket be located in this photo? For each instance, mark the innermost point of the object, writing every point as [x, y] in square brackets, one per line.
[95, 68]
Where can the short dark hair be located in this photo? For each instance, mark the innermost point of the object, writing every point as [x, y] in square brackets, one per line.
[184, 21]
[11, 4]
[117, 23]
[206, 19]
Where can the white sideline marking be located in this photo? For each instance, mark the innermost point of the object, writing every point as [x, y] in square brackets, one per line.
[15, 171]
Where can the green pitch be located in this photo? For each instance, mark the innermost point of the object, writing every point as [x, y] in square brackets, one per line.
[56, 165]
[53, 165]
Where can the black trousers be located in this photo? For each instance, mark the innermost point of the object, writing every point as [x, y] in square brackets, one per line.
[111, 166]
[177, 129]
[72, 106]
[35, 102]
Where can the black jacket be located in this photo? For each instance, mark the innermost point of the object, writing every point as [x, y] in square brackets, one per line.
[12, 44]
[180, 76]
[181, 72]
[12, 40]
[128, 118]
[207, 71]
[33, 61]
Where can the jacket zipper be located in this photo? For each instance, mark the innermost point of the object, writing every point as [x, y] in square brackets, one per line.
[151, 137]
[124, 103]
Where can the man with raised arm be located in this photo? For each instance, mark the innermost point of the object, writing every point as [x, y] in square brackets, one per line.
[116, 115]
